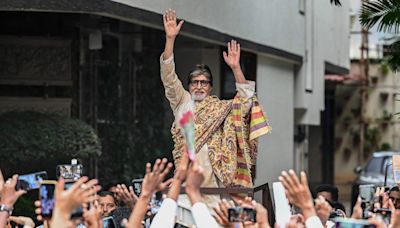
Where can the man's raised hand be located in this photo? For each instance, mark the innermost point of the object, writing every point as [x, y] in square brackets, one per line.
[170, 26]
[232, 58]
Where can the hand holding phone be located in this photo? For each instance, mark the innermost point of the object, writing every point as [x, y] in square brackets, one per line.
[30, 181]
[384, 214]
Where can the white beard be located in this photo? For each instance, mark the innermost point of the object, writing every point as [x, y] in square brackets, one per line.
[198, 97]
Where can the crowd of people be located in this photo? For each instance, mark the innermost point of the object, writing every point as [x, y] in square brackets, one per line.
[128, 210]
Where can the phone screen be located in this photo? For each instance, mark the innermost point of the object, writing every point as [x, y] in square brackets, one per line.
[47, 199]
[238, 214]
[69, 172]
[353, 223]
[367, 192]
[108, 222]
[31, 181]
[137, 186]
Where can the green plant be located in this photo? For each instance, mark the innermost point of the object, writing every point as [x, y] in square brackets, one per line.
[372, 137]
[386, 15]
[384, 68]
[28, 136]
[385, 147]
[386, 116]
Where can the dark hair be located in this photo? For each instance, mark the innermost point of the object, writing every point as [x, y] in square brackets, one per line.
[394, 189]
[201, 69]
[107, 193]
[328, 188]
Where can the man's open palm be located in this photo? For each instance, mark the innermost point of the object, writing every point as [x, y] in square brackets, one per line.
[170, 26]
[232, 58]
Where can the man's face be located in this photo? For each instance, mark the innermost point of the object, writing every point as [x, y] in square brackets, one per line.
[326, 195]
[107, 205]
[199, 87]
[395, 196]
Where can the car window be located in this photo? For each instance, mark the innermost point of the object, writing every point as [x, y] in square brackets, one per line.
[375, 165]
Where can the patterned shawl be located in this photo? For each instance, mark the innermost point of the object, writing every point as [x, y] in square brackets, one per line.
[231, 139]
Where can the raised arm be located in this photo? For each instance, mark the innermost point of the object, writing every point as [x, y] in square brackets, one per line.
[171, 31]
[245, 88]
[174, 90]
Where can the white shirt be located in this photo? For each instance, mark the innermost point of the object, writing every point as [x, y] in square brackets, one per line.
[166, 215]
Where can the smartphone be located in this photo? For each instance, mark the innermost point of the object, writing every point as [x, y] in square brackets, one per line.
[241, 214]
[385, 214]
[137, 186]
[108, 222]
[30, 181]
[367, 192]
[353, 223]
[69, 172]
[46, 196]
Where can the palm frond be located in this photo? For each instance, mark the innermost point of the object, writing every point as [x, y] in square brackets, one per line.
[384, 13]
[337, 2]
[393, 58]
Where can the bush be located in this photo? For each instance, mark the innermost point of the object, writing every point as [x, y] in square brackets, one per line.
[31, 135]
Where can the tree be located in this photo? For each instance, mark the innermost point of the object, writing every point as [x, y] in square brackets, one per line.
[386, 15]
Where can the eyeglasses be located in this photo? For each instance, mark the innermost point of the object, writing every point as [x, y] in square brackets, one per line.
[203, 83]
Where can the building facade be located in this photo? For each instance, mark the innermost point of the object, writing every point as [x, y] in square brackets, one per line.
[288, 48]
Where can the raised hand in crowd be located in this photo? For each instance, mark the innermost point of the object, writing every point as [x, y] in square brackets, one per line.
[8, 197]
[127, 196]
[295, 221]
[297, 192]
[381, 198]
[92, 216]
[357, 210]
[82, 192]
[194, 180]
[261, 214]
[323, 209]
[179, 177]
[221, 213]
[166, 214]
[152, 182]
[299, 195]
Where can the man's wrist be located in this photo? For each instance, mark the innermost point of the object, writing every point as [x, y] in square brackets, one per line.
[145, 195]
[308, 211]
[194, 195]
[8, 204]
[6, 208]
[170, 38]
